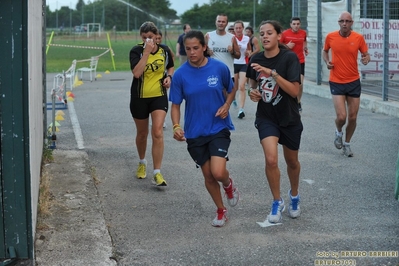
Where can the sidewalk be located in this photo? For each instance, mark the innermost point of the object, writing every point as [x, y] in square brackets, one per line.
[76, 232]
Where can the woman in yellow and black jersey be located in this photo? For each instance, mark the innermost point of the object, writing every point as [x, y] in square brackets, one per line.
[152, 67]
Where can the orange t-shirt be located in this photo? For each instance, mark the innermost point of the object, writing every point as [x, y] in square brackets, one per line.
[344, 55]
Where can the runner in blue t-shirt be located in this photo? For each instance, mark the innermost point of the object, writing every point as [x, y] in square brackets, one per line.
[208, 90]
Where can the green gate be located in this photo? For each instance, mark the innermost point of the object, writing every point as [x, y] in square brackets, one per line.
[15, 208]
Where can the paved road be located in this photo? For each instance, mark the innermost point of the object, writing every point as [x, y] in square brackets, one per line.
[347, 203]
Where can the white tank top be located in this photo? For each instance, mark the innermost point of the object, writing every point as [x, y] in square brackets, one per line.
[218, 44]
[243, 48]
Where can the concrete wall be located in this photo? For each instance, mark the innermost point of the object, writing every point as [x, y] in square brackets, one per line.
[35, 73]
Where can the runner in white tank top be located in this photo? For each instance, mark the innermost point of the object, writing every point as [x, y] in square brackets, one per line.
[240, 65]
[223, 45]
[243, 44]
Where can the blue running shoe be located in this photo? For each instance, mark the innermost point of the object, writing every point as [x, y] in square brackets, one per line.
[275, 214]
[294, 210]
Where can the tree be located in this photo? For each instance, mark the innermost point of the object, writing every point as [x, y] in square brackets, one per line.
[280, 10]
[115, 13]
[239, 10]
[79, 5]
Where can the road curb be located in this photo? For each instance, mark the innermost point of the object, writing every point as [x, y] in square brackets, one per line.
[369, 102]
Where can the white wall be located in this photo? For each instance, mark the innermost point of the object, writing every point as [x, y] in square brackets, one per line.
[35, 65]
[329, 21]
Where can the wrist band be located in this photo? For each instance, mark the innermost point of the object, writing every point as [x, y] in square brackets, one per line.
[274, 74]
[176, 128]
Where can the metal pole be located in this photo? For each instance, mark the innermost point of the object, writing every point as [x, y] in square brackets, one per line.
[70, 17]
[128, 18]
[386, 51]
[364, 8]
[319, 44]
[103, 18]
[254, 15]
[56, 17]
[295, 8]
[44, 52]
[349, 6]
[83, 17]
[94, 14]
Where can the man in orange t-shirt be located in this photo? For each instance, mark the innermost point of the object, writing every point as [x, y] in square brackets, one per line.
[295, 39]
[345, 86]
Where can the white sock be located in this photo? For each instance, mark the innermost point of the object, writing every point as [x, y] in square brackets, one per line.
[294, 197]
[156, 171]
[347, 143]
[338, 133]
[144, 161]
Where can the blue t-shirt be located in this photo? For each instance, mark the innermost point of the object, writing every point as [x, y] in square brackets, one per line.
[203, 89]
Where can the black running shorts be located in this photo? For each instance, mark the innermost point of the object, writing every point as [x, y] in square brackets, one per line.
[289, 136]
[351, 89]
[240, 68]
[202, 148]
[303, 68]
[140, 108]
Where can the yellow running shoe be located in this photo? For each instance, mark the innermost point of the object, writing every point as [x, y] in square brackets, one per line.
[141, 171]
[158, 180]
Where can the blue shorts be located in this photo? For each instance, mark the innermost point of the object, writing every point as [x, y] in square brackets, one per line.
[289, 136]
[140, 108]
[202, 148]
[351, 89]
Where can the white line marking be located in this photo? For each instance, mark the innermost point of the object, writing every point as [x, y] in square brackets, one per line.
[76, 126]
[309, 181]
[266, 223]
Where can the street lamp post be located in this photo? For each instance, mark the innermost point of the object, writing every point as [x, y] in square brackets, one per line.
[128, 17]
[254, 15]
[83, 16]
[56, 17]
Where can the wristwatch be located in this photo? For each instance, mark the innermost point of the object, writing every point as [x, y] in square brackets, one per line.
[274, 74]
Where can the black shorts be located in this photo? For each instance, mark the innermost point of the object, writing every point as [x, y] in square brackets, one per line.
[202, 148]
[352, 89]
[303, 69]
[289, 136]
[140, 108]
[240, 68]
